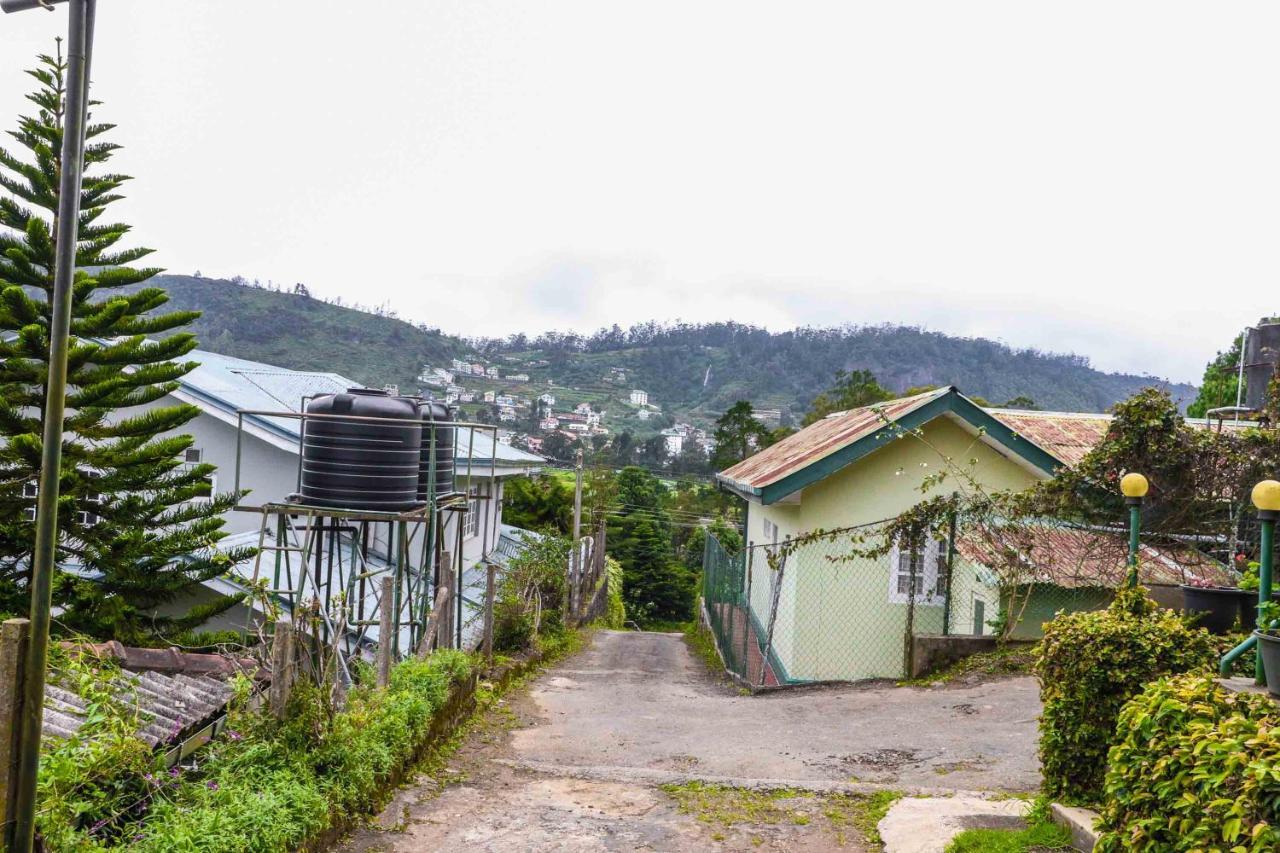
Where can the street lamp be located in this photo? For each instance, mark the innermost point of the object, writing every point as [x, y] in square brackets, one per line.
[1266, 497]
[1134, 487]
[79, 46]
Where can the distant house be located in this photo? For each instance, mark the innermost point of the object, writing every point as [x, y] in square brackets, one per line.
[518, 377]
[549, 424]
[639, 398]
[549, 399]
[582, 408]
[490, 396]
[866, 465]
[492, 372]
[644, 414]
[674, 440]
[504, 400]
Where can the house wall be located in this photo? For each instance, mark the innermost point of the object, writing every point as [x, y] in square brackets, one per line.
[835, 619]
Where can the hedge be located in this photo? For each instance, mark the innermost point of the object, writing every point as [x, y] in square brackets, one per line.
[1090, 664]
[270, 786]
[1197, 767]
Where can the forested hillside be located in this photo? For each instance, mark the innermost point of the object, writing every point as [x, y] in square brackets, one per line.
[694, 371]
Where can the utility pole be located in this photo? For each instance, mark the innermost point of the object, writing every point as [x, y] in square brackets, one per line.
[577, 532]
[67, 235]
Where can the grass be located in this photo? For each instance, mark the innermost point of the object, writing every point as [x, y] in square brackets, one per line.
[1037, 837]
[723, 807]
[1004, 661]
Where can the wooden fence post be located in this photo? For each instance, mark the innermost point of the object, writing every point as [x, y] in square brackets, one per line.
[14, 634]
[282, 669]
[384, 632]
[444, 629]
[490, 591]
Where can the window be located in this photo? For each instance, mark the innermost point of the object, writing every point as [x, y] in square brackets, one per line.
[194, 455]
[471, 528]
[191, 457]
[919, 573]
[770, 532]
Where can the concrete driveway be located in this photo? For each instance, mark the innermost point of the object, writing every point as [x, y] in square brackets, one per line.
[576, 762]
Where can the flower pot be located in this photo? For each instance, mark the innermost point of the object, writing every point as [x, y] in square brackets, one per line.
[1249, 608]
[1269, 648]
[1216, 607]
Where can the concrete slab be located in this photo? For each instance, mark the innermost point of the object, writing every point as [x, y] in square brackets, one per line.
[927, 824]
[1079, 822]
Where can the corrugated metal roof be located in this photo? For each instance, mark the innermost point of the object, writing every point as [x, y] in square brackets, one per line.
[175, 692]
[818, 440]
[1074, 558]
[240, 384]
[1068, 436]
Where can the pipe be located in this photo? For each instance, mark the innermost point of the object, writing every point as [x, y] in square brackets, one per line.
[1268, 520]
[44, 555]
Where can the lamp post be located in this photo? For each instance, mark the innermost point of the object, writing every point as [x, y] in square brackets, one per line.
[1134, 487]
[1266, 497]
[79, 45]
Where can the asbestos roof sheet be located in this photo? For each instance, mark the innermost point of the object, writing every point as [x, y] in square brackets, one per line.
[816, 441]
[174, 692]
[1074, 558]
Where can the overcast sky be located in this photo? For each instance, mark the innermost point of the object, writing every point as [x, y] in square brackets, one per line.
[1102, 178]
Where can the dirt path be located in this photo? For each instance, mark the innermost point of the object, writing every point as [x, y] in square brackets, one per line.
[608, 750]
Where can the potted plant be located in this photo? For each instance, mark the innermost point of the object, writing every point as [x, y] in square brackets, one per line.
[1268, 634]
[1215, 607]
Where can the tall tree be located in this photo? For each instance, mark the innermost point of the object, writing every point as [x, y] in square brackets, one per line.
[738, 435]
[136, 521]
[853, 389]
[655, 586]
[1221, 379]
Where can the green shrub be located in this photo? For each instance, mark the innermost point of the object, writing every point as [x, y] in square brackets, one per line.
[1196, 767]
[615, 616]
[1089, 665]
[265, 785]
[531, 592]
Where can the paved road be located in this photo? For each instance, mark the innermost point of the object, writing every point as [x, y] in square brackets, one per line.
[575, 763]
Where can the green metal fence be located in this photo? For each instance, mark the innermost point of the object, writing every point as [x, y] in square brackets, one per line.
[836, 607]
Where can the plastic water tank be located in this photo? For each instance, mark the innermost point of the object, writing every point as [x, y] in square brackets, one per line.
[362, 465]
[433, 411]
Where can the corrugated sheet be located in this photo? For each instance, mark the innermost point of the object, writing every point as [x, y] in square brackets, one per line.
[1075, 558]
[816, 441]
[1067, 436]
[175, 692]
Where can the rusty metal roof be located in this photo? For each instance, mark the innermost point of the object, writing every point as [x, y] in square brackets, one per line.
[1075, 558]
[818, 440]
[1064, 436]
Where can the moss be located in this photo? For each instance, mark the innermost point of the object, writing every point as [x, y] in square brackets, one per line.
[841, 814]
[1004, 661]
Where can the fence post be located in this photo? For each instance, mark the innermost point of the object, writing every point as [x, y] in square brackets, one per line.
[444, 630]
[490, 590]
[951, 558]
[282, 669]
[14, 635]
[746, 616]
[384, 632]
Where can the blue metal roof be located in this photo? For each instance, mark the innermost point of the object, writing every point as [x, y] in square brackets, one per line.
[232, 384]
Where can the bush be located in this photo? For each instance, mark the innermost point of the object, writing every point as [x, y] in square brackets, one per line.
[615, 615]
[1089, 665]
[531, 593]
[269, 785]
[1196, 767]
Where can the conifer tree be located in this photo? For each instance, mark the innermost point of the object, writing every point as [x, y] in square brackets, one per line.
[137, 525]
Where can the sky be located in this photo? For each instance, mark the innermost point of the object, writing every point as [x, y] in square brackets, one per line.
[1097, 178]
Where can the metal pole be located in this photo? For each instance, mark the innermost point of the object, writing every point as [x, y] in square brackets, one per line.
[1268, 519]
[1135, 522]
[43, 558]
[576, 563]
[951, 557]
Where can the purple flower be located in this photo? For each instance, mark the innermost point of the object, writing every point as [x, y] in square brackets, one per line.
[174, 771]
[93, 829]
[234, 735]
[212, 785]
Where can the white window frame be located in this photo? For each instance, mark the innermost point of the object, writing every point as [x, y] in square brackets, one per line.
[471, 525]
[930, 577]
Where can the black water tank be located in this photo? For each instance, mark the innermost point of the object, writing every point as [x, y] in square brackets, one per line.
[364, 465]
[1261, 353]
[433, 411]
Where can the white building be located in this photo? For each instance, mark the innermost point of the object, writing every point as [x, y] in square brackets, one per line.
[549, 399]
[674, 440]
[518, 377]
[268, 448]
[644, 414]
[639, 398]
[489, 396]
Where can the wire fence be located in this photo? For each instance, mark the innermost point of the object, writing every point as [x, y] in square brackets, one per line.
[846, 606]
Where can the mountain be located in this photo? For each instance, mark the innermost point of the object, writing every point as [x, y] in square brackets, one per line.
[691, 371]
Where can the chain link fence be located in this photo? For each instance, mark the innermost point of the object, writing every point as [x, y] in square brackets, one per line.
[845, 606]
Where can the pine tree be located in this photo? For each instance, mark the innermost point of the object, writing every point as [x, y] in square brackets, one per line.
[137, 522]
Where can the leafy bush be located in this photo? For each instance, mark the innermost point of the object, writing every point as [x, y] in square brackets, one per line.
[531, 593]
[1196, 767]
[615, 615]
[265, 785]
[1089, 665]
